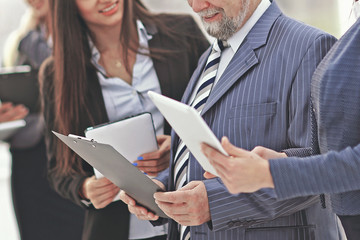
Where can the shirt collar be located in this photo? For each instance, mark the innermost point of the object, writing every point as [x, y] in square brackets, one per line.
[236, 40]
[144, 37]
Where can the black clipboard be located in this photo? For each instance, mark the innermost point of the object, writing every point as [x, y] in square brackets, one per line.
[117, 169]
[19, 85]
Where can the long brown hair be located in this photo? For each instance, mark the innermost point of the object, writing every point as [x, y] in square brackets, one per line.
[72, 66]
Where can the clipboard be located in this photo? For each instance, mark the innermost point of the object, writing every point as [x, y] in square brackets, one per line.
[7, 129]
[19, 85]
[117, 169]
[189, 126]
[120, 135]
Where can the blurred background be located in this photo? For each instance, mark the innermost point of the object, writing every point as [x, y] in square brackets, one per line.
[333, 16]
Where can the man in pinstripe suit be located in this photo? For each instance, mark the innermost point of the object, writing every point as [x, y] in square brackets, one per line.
[336, 97]
[260, 97]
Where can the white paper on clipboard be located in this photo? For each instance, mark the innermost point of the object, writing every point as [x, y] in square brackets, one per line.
[189, 126]
[131, 137]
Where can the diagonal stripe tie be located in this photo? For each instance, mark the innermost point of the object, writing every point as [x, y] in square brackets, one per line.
[205, 84]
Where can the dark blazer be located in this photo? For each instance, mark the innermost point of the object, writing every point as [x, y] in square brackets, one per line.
[174, 72]
[262, 98]
[336, 98]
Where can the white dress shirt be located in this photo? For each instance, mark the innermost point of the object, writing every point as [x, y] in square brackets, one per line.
[124, 100]
[235, 42]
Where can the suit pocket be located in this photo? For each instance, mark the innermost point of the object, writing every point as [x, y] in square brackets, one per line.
[253, 110]
[287, 232]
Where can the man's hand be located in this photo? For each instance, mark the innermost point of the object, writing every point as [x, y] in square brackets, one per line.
[9, 112]
[100, 192]
[140, 212]
[267, 153]
[188, 206]
[155, 162]
[242, 171]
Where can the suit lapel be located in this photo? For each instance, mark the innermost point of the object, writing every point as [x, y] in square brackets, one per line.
[245, 57]
[242, 61]
[195, 77]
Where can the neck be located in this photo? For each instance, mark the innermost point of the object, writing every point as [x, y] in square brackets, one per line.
[106, 39]
[250, 11]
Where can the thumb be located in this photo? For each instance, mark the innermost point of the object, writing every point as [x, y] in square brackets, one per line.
[191, 185]
[233, 150]
[208, 175]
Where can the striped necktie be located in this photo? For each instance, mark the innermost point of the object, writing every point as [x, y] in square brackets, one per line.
[181, 159]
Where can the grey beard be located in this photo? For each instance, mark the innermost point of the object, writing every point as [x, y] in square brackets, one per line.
[224, 29]
[227, 27]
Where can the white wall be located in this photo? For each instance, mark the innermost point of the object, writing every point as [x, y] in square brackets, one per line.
[10, 14]
[346, 18]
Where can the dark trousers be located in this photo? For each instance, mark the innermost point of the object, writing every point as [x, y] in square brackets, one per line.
[351, 225]
[40, 212]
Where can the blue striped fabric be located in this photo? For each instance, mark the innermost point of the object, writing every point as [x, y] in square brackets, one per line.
[336, 98]
[262, 98]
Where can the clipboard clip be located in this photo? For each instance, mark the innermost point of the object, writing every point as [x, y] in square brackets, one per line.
[75, 137]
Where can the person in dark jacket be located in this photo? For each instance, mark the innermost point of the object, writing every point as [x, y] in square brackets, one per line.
[107, 55]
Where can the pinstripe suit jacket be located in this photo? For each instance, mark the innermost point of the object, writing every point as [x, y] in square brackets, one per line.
[336, 98]
[261, 99]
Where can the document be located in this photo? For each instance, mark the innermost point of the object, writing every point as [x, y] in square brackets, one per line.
[116, 168]
[7, 129]
[189, 126]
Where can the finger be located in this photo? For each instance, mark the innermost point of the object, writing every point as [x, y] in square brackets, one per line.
[164, 142]
[233, 150]
[208, 175]
[155, 169]
[5, 107]
[162, 138]
[100, 194]
[101, 183]
[99, 205]
[153, 155]
[11, 113]
[172, 197]
[147, 163]
[171, 208]
[103, 200]
[127, 199]
[213, 155]
[160, 184]
[105, 188]
[140, 215]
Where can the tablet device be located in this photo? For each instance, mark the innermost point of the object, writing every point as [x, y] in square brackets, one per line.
[19, 85]
[7, 129]
[117, 169]
[132, 136]
[189, 126]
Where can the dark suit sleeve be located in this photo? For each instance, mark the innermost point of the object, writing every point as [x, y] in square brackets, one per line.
[334, 172]
[336, 97]
[67, 186]
[263, 205]
[299, 129]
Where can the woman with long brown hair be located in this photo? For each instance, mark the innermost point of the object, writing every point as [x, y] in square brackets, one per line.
[40, 212]
[107, 55]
